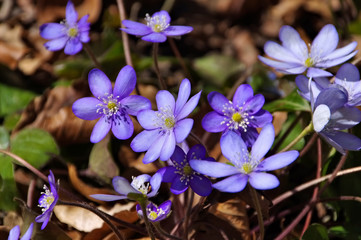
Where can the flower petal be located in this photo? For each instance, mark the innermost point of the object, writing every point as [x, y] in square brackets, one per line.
[338, 53]
[278, 52]
[52, 30]
[178, 156]
[14, 233]
[325, 42]
[232, 184]
[243, 93]
[163, 15]
[316, 72]
[263, 142]
[83, 24]
[342, 140]
[321, 117]
[183, 95]
[122, 186]
[189, 106]
[263, 181]
[260, 119]
[333, 62]
[213, 169]
[143, 140]
[155, 37]
[213, 122]
[100, 129]
[71, 14]
[198, 151]
[345, 117]
[182, 129]
[155, 182]
[108, 197]
[134, 104]
[56, 44]
[334, 98]
[135, 28]
[201, 185]
[293, 42]
[347, 72]
[277, 161]
[165, 100]
[123, 128]
[125, 82]
[147, 119]
[177, 30]
[168, 146]
[178, 186]
[86, 108]
[282, 66]
[254, 104]
[73, 46]
[84, 37]
[233, 147]
[28, 233]
[155, 149]
[168, 173]
[217, 101]
[99, 83]
[250, 136]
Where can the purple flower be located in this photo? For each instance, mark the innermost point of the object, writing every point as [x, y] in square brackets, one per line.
[15, 233]
[246, 166]
[69, 33]
[243, 115]
[348, 76]
[113, 107]
[143, 185]
[157, 28]
[181, 175]
[155, 213]
[47, 201]
[167, 126]
[293, 57]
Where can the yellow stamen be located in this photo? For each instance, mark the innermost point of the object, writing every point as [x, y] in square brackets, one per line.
[169, 122]
[247, 168]
[236, 117]
[72, 32]
[309, 62]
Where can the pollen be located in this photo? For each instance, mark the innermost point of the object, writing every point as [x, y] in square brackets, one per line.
[157, 23]
[187, 170]
[72, 32]
[152, 215]
[169, 122]
[247, 168]
[309, 62]
[111, 106]
[237, 117]
[46, 199]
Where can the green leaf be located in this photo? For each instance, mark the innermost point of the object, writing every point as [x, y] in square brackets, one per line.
[13, 99]
[297, 129]
[7, 184]
[293, 102]
[34, 145]
[4, 138]
[11, 120]
[316, 231]
[338, 231]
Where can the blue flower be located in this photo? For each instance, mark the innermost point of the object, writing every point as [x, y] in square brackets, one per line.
[157, 28]
[15, 233]
[69, 33]
[143, 185]
[182, 176]
[348, 76]
[293, 57]
[243, 115]
[47, 201]
[246, 166]
[113, 107]
[167, 126]
[155, 213]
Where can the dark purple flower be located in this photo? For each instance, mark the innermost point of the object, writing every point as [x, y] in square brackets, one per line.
[47, 201]
[157, 28]
[167, 126]
[155, 213]
[15, 233]
[182, 176]
[143, 185]
[348, 76]
[69, 33]
[243, 115]
[113, 107]
[293, 57]
[246, 166]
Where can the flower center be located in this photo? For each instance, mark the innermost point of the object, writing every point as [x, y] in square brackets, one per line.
[152, 215]
[46, 199]
[247, 168]
[309, 62]
[165, 119]
[169, 122]
[110, 105]
[139, 184]
[235, 117]
[246, 162]
[72, 32]
[157, 23]
[187, 170]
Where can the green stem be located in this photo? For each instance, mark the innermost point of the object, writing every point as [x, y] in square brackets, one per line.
[162, 84]
[164, 233]
[143, 205]
[91, 55]
[305, 131]
[259, 212]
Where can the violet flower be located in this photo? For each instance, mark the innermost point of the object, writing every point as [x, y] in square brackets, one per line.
[182, 176]
[15, 233]
[246, 166]
[243, 115]
[47, 201]
[155, 213]
[348, 76]
[167, 126]
[113, 107]
[157, 28]
[293, 57]
[69, 33]
[142, 185]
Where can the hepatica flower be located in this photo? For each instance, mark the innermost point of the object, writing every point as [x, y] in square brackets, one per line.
[242, 115]
[167, 126]
[15, 233]
[294, 57]
[182, 176]
[348, 76]
[156, 29]
[155, 213]
[69, 34]
[112, 106]
[143, 185]
[246, 166]
[47, 201]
